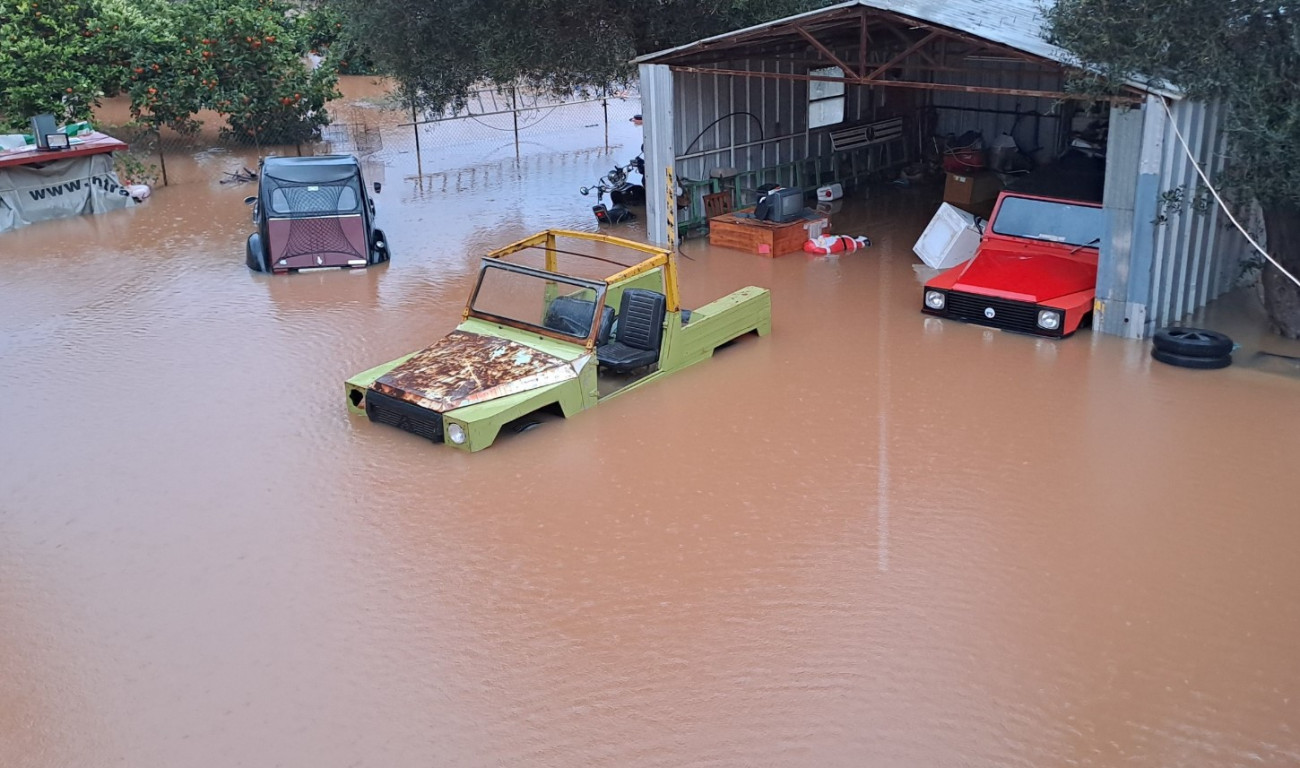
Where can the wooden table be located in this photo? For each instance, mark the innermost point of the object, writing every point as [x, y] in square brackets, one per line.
[766, 238]
[95, 143]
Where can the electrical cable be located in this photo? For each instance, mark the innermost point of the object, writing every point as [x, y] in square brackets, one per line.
[720, 119]
[1219, 199]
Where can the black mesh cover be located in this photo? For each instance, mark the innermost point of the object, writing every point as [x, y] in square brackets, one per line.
[323, 234]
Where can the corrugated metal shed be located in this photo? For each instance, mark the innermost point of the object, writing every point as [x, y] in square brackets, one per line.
[740, 100]
[1016, 24]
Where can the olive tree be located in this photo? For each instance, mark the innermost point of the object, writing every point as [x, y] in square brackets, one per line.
[439, 49]
[1243, 52]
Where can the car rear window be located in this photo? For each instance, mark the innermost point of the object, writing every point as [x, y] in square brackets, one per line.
[314, 199]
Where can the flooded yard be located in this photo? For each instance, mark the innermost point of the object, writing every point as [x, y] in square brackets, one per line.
[871, 538]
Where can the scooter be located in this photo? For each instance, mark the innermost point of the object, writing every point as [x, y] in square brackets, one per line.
[622, 193]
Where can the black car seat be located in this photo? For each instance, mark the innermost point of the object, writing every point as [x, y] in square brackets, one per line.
[606, 325]
[571, 315]
[640, 332]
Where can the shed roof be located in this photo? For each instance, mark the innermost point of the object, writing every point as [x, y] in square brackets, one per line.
[1014, 25]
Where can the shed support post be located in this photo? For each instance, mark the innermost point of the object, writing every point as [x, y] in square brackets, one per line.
[1134, 159]
[660, 153]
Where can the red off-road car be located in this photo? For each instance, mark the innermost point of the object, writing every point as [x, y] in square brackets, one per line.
[1035, 270]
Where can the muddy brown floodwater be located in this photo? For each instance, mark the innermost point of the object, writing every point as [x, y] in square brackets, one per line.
[870, 539]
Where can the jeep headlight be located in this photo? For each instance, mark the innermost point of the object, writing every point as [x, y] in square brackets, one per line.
[935, 299]
[1049, 319]
[456, 433]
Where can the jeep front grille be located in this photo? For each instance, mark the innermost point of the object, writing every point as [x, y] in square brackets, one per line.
[383, 409]
[1011, 315]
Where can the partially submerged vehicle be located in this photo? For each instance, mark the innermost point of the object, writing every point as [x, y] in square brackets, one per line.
[534, 338]
[313, 213]
[1035, 270]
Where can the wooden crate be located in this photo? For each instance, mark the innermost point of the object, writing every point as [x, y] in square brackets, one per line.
[750, 235]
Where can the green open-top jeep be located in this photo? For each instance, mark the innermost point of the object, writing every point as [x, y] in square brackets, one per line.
[534, 337]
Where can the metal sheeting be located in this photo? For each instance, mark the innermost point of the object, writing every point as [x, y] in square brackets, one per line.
[1017, 24]
[1036, 124]
[1197, 252]
[747, 123]
[657, 107]
[1169, 248]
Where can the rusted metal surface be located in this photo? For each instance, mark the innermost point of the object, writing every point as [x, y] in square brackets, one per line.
[827, 52]
[928, 86]
[465, 368]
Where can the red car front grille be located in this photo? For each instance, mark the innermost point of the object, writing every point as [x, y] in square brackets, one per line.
[1011, 315]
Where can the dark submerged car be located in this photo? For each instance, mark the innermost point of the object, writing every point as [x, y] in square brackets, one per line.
[313, 213]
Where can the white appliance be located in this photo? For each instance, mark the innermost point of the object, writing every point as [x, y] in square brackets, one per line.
[951, 238]
[829, 192]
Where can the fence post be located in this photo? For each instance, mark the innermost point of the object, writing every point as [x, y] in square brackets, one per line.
[162, 160]
[514, 115]
[604, 107]
[415, 126]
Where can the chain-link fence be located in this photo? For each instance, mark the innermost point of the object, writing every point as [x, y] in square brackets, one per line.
[371, 123]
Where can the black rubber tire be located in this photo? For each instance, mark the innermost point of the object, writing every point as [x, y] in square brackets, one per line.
[253, 257]
[1192, 342]
[1191, 361]
[379, 255]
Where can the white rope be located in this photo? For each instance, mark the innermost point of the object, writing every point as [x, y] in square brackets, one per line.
[1222, 204]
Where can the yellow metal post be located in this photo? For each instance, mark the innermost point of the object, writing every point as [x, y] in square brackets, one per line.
[670, 206]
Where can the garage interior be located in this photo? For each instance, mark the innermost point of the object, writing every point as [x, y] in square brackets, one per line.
[893, 93]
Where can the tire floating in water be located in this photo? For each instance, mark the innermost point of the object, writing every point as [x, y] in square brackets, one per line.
[1190, 361]
[1192, 348]
[1192, 342]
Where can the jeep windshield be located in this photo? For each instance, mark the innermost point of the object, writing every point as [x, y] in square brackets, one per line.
[535, 299]
[1053, 221]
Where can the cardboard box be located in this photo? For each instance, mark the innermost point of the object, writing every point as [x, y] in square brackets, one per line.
[971, 188]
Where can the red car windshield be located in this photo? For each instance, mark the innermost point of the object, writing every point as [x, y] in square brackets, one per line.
[1054, 221]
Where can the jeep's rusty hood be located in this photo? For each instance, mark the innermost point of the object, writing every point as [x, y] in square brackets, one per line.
[466, 368]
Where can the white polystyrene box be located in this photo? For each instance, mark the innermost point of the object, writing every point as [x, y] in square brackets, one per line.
[951, 238]
[829, 192]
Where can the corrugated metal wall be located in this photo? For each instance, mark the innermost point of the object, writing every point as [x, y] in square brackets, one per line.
[1036, 124]
[1169, 249]
[746, 123]
[1197, 252]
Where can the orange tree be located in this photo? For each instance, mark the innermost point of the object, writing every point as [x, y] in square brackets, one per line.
[61, 56]
[243, 59]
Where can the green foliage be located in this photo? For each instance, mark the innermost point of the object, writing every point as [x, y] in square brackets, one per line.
[243, 59]
[240, 58]
[133, 170]
[59, 56]
[1244, 52]
[439, 51]
[327, 35]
